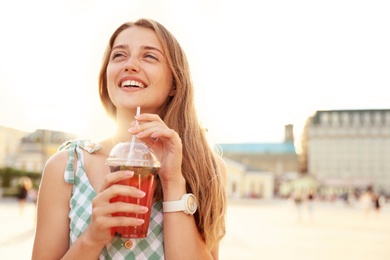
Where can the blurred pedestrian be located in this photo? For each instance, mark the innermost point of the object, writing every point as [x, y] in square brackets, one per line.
[310, 204]
[298, 200]
[25, 185]
[366, 201]
[376, 200]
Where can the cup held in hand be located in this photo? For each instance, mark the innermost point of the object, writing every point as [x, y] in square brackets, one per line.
[134, 156]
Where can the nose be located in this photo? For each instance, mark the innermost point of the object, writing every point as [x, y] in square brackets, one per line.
[132, 64]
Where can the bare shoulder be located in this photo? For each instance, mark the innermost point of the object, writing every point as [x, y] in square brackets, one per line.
[53, 186]
[53, 173]
[53, 209]
[57, 162]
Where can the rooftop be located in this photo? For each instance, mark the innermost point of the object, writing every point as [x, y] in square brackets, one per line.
[258, 148]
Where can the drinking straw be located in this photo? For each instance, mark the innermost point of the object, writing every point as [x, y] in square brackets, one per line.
[133, 138]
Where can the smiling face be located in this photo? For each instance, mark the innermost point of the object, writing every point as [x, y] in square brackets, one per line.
[137, 72]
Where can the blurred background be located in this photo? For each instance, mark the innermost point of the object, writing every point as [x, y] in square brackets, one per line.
[290, 92]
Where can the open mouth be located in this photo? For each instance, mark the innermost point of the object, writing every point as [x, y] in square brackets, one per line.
[132, 84]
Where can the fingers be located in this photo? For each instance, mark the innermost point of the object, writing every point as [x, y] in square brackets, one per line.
[148, 117]
[112, 186]
[151, 126]
[164, 142]
[116, 204]
[120, 209]
[148, 123]
[115, 177]
[103, 216]
[105, 207]
[122, 221]
[156, 132]
[147, 129]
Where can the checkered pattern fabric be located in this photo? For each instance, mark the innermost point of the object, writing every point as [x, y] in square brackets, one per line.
[151, 247]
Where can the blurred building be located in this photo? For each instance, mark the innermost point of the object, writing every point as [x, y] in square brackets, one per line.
[255, 169]
[35, 148]
[244, 182]
[348, 149]
[9, 144]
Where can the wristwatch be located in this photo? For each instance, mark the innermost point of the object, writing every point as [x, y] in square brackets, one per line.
[187, 204]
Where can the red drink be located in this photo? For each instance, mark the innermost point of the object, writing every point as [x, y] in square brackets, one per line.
[143, 179]
[134, 156]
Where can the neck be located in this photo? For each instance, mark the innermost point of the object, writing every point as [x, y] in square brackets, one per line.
[121, 135]
[123, 123]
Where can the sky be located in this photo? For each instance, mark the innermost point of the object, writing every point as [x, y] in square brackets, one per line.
[256, 65]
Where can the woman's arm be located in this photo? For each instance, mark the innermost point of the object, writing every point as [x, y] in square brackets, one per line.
[182, 239]
[52, 231]
[181, 236]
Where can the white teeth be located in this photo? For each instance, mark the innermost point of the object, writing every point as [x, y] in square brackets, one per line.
[130, 83]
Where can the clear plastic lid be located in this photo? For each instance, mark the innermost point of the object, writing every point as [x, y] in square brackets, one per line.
[138, 155]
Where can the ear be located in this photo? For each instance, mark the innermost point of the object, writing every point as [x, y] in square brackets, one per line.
[172, 92]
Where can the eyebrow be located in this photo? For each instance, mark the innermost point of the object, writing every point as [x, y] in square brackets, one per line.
[145, 47]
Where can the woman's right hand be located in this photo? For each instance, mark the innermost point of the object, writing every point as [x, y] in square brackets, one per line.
[102, 219]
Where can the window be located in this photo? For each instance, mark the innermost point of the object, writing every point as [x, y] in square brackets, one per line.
[324, 118]
[345, 119]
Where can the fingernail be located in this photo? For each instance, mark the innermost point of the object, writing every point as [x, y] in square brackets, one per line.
[140, 221]
[131, 129]
[141, 193]
[144, 209]
[129, 173]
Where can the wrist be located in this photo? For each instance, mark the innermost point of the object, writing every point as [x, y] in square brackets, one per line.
[174, 189]
[89, 244]
[186, 204]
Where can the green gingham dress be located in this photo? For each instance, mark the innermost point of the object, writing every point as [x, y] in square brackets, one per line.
[151, 247]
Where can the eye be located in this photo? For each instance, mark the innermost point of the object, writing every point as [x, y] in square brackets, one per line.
[117, 55]
[151, 56]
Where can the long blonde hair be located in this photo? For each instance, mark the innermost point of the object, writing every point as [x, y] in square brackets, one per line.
[200, 165]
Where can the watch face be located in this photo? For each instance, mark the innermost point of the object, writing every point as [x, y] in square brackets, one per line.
[191, 204]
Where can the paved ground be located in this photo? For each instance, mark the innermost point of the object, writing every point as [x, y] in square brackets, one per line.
[275, 231]
[16, 230]
[255, 230]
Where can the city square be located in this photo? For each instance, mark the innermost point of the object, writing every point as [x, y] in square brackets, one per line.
[276, 230]
[256, 229]
[288, 94]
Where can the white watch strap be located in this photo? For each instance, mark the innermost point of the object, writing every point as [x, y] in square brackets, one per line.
[187, 204]
[173, 206]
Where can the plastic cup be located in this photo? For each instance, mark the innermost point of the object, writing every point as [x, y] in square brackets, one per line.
[136, 157]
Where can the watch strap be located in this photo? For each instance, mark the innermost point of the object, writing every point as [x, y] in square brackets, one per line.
[173, 206]
[180, 205]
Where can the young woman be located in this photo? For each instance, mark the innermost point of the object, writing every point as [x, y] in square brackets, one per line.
[143, 66]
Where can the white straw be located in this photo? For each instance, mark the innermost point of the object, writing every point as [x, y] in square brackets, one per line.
[133, 138]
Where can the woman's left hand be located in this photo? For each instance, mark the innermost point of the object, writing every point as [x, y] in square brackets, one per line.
[164, 142]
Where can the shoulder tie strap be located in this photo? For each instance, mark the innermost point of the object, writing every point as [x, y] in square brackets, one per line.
[73, 146]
